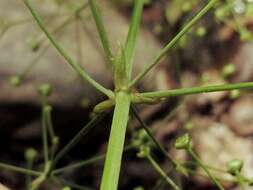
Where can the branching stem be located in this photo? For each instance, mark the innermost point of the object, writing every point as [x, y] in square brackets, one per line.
[66, 56]
[173, 42]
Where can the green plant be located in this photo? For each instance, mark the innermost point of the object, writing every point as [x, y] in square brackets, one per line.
[121, 98]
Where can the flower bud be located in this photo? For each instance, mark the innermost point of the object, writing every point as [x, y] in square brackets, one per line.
[15, 81]
[228, 70]
[30, 154]
[234, 166]
[144, 152]
[183, 142]
[45, 90]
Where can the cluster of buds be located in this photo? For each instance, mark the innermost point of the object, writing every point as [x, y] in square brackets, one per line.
[184, 142]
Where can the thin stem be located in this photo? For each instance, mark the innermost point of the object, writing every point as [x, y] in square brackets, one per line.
[151, 136]
[28, 176]
[194, 172]
[240, 180]
[173, 42]
[214, 180]
[20, 170]
[62, 51]
[209, 167]
[33, 63]
[197, 90]
[116, 142]
[49, 123]
[44, 135]
[78, 137]
[132, 35]
[84, 163]
[162, 173]
[79, 164]
[101, 31]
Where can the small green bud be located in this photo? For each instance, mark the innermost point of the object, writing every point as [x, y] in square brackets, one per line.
[45, 90]
[30, 154]
[66, 188]
[138, 188]
[144, 152]
[245, 35]
[234, 166]
[34, 44]
[221, 13]
[228, 70]
[187, 6]
[140, 138]
[189, 125]
[15, 81]
[201, 31]
[183, 142]
[48, 108]
[85, 103]
[235, 94]
[56, 140]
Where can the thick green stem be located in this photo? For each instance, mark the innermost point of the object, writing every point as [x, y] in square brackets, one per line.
[197, 90]
[66, 56]
[173, 42]
[116, 142]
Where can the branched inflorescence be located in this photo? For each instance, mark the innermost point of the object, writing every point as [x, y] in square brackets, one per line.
[121, 99]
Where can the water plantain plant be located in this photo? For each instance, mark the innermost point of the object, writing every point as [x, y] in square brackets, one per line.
[121, 99]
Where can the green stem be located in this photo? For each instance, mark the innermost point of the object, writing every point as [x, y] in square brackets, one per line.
[62, 51]
[84, 163]
[44, 135]
[190, 163]
[241, 180]
[101, 31]
[162, 173]
[48, 115]
[79, 164]
[151, 136]
[132, 35]
[78, 137]
[116, 142]
[19, 169]
[28, 176]
[173, 42]
[33, 63]
[214, 180]
[197, 90]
